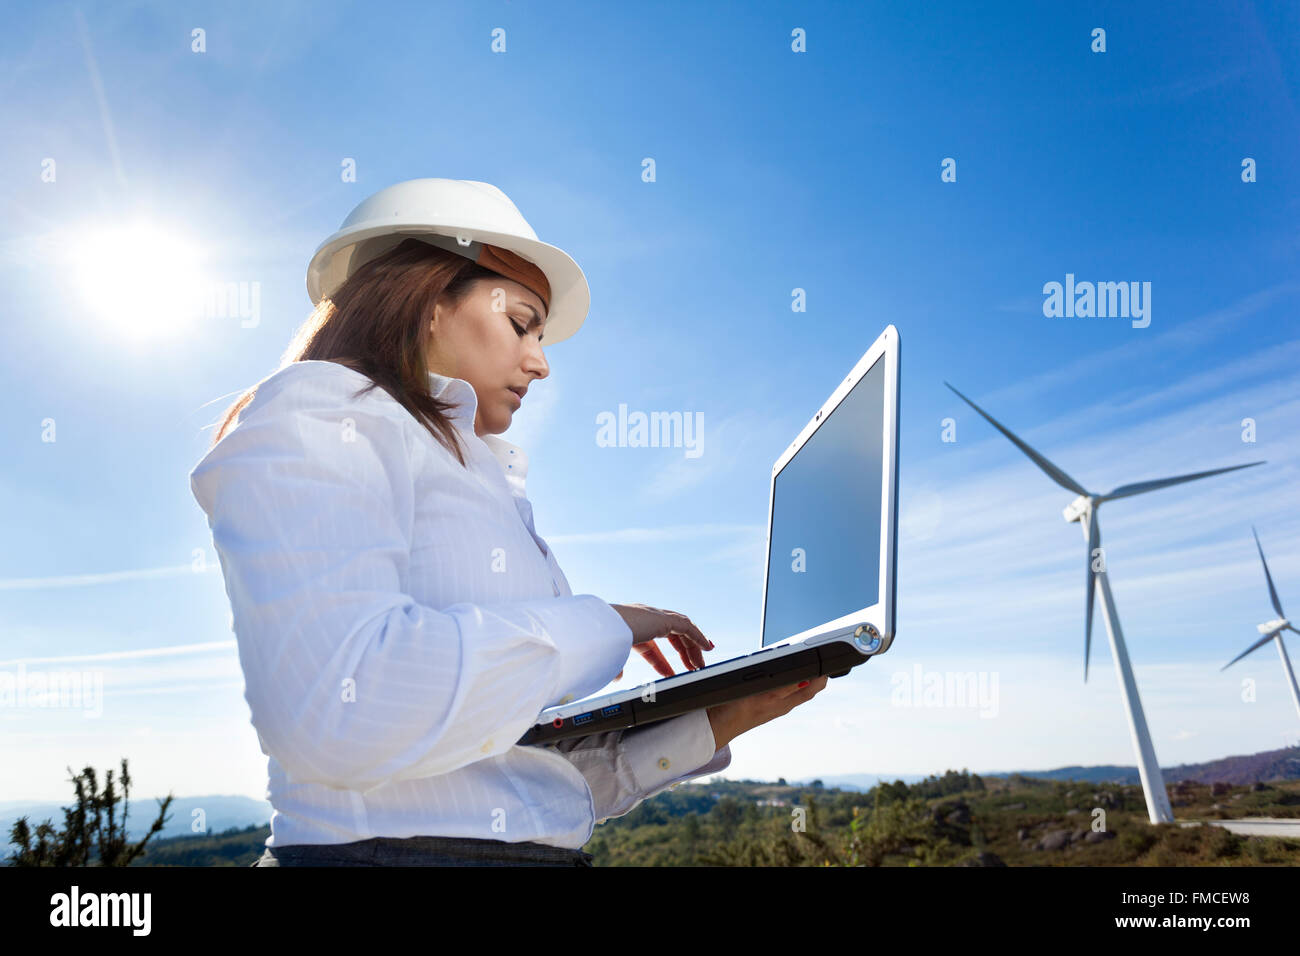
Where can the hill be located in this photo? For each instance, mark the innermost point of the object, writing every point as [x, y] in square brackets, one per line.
[1266, 766]
[220, 813]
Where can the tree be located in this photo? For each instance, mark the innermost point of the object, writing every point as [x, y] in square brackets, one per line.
[84, 836]
[728, 812]
[889, 792]
[692, 829]
[894, 827]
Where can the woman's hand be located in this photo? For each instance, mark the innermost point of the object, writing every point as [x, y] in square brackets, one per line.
[649, 623]
[734, 718]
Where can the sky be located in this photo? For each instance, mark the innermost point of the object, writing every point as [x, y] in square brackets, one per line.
[143, 161]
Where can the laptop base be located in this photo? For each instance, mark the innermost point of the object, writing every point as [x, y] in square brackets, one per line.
[836, 658]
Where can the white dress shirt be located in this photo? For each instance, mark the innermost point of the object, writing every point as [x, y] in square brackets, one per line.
[401, 625]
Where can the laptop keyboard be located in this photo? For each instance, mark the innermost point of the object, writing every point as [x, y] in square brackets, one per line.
[716, 663]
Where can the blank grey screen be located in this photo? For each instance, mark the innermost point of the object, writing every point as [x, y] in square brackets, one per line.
[825, 556]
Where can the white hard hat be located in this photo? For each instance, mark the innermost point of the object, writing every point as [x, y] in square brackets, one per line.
[463, 216]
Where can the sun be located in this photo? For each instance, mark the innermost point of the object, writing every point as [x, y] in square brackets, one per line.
[143, 280]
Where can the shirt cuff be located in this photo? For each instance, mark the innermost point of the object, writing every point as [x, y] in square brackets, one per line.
[669, 751]
[594, 644]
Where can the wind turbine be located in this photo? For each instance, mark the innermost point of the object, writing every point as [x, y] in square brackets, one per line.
[1083, 509]
[1272, 630]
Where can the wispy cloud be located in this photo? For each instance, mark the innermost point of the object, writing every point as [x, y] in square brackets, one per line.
[195, 668]
[1179, 89]
[724, 443]
[97, 86]
[172, 650]
[643, 535]
[106, 577]
[1174, 342]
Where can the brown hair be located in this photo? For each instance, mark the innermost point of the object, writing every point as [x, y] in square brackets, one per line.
[377, 323]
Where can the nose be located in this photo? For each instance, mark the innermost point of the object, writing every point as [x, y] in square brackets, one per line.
[536, 363]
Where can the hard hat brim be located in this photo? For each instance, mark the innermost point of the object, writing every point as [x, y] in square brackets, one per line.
[339, 256]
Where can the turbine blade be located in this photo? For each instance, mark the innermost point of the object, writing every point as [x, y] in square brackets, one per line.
[1094, 538]
[1272, 591]
[1258, 644]
[1123, 491]
[1058, 476]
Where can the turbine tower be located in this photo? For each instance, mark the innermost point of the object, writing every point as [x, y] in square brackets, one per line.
[1272, 630]
[1083, 509]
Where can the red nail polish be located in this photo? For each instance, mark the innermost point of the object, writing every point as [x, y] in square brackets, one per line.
[804, 683]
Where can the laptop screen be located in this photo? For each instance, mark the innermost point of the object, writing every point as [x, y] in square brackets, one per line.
[824, 560]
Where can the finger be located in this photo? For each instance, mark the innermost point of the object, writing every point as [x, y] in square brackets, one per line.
[697, 655]
[650, 651]
[805, 694]
[791, 689]
[690, 652]
[686, 626]
[618, 675]
[682, 652]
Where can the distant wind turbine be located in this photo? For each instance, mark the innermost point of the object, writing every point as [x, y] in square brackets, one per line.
[1083, 509]
[1272, 630]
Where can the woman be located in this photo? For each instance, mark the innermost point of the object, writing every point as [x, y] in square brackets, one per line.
[400, 622]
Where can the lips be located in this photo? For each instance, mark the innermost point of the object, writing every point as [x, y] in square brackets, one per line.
[517, 393]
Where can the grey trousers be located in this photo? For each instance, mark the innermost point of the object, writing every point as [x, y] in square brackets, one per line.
[423, 851]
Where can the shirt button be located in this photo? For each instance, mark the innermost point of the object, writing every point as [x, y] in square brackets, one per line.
[663, 763]
[487, 746]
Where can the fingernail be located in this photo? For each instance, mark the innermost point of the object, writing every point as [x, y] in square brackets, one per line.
[804, 683]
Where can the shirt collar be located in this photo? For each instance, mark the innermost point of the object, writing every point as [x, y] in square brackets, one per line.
[512, 458]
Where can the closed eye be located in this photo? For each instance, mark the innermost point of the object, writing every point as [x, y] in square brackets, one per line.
[523, 331]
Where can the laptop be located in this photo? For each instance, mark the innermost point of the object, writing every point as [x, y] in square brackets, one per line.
[830, 589]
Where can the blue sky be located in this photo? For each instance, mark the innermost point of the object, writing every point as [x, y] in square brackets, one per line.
[775, 171]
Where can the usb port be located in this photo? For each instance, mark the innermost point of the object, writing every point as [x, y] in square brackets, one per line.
[611, 710]
[584, 718]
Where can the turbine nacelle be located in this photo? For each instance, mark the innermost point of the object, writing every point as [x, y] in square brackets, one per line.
[1273, 629]
[1077, 510]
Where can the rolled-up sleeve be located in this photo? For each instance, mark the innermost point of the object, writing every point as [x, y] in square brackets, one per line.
[350, 681]
[625, 767]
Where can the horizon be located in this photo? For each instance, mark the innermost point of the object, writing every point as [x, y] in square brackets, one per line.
[908, 778]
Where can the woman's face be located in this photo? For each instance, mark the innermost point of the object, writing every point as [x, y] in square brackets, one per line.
[493, 341]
